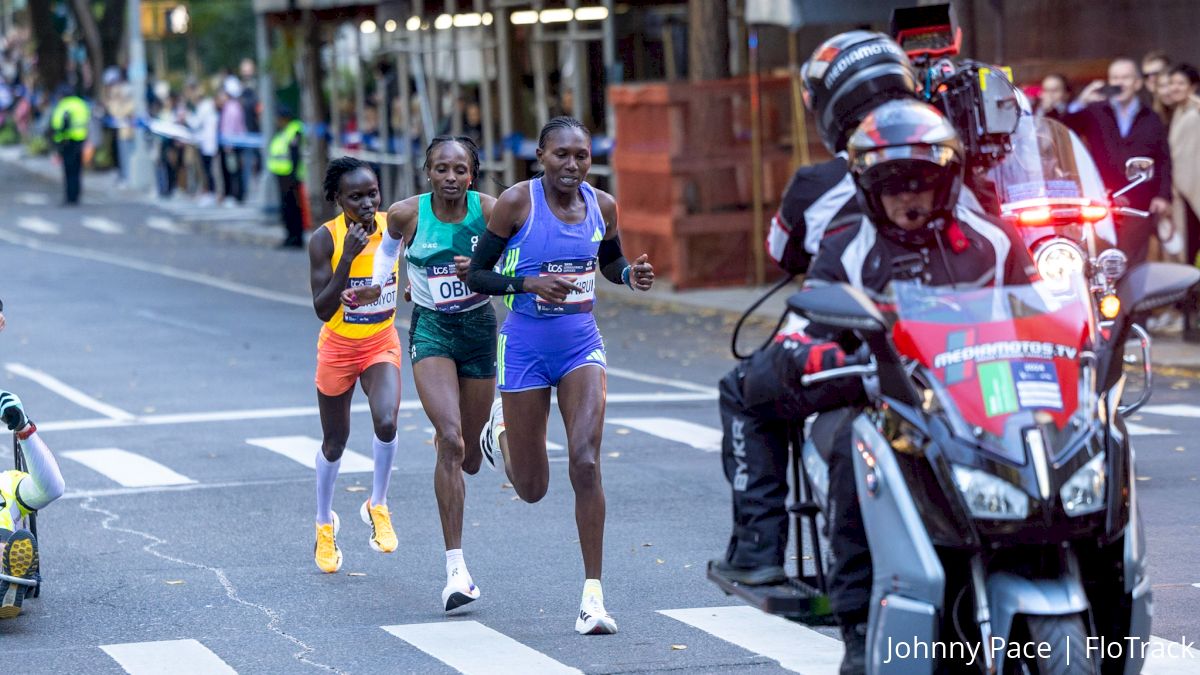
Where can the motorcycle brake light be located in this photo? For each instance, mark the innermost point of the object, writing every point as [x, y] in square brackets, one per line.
[1040, 215]
[1093, 212]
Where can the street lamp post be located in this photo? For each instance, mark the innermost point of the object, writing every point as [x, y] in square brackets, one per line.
[141, 171]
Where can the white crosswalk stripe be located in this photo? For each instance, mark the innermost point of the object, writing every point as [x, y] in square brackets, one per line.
[794, 646]
[1176, 410]
[33, 199]
[1142, 430]
[490, 652]
[127, 468]
[38, 225]
[101, 225]
[1164, 657]
[304, 449]
[168, 657]
[680, 431]
[163, 225]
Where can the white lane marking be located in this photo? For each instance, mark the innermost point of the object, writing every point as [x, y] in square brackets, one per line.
[38, 225]
[183, 275]
[1195, 585]
[698, 436]
[1176, 410]
[167, 656]
[164, 225]
[101, 225]
[490, 652]
[68, 392]
[304, 449]
[299, 411]
[180, 323]
[122, 492]
[661, 397]
[1164, 657]
[1140, 430]
[33, 199]
[795, 647]
[127, 468]
[654, 379]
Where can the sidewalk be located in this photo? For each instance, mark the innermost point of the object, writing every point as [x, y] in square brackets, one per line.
[244, 222]
[249, 223]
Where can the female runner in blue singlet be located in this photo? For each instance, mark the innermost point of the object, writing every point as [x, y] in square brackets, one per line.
[551, 235]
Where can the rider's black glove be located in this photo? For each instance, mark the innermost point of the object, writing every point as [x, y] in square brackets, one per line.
[12, 412]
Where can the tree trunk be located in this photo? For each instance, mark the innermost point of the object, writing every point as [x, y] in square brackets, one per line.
[112, 31]
[708, 39]
[51, 52]
[91, 38]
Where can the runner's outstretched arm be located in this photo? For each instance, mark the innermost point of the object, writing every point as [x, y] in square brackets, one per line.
[45, 482]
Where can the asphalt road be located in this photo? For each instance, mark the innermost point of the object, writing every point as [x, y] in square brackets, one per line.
[195, 354]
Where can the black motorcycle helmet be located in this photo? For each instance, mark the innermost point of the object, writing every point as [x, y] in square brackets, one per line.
[850, 74]
[906, 146]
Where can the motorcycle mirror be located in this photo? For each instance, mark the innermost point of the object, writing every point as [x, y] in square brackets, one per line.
[1149, 286]
[838, 306]
[1139, 168]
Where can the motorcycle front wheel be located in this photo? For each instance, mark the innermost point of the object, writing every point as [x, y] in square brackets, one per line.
[1067, 653]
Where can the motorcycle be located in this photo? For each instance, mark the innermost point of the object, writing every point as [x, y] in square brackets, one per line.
[995, 474]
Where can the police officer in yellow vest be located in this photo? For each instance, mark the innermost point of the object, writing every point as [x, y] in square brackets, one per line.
[22, 493]
[69, 124]
[283, 160]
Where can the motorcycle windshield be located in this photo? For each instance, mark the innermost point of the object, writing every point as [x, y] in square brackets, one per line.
[1049, 166]
[1001, 360]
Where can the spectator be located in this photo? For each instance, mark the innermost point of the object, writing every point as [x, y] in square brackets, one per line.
[1180, 94]
[1117, 129]
[203, 121]
[251, 159]
[232, 126]
[1054, 96]
[1154, 70]
[119, 104]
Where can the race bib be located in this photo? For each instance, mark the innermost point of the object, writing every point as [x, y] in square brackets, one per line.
[450, 294]
[377, 312]
[582, 273]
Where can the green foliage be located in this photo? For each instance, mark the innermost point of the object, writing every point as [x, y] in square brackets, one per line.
[37, 145]
[223, 31]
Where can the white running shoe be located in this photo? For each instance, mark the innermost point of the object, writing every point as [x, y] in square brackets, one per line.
[593, 618]
[489, 437]
[460, 589]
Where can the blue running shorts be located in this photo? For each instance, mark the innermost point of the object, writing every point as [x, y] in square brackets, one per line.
[536, 353]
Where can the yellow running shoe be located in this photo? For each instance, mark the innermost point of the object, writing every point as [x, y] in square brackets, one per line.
[20, 559]
[383, 537]
[327, 553]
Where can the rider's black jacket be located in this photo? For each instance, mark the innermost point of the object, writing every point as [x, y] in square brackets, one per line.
[975, 251]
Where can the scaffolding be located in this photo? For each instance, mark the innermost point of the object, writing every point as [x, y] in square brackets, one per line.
[433, 52]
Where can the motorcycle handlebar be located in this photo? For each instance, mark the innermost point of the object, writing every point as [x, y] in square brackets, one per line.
[852, 370]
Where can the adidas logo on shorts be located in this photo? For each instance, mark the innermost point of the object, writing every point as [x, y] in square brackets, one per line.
[597, 355]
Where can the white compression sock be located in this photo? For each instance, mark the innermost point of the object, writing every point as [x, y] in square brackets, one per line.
[592, 589]
[454, 559]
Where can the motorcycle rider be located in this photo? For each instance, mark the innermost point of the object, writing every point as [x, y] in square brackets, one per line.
[906, 162]
[848, 75]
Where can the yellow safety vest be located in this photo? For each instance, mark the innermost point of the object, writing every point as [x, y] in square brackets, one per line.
[11, 509]
[79, 115]
[279, 153]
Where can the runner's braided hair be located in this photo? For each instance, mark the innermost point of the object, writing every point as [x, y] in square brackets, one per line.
[338, 168]
[466, 142]
[561, 123]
